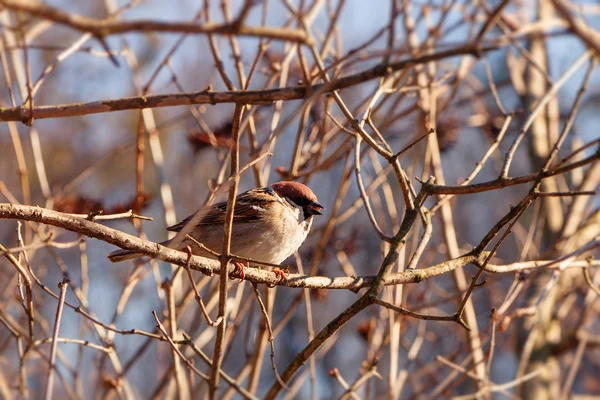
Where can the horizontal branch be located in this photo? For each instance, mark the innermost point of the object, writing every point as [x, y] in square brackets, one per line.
[256, 275]
[499, 183]
[264, 96]
[111, 26]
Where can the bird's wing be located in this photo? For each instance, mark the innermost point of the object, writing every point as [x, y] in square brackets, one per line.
[249, 207]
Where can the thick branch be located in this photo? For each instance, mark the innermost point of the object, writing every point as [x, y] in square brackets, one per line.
[256, 275]
[206, 97]
[111, 26]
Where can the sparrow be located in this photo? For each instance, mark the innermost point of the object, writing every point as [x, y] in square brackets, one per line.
[269, 225]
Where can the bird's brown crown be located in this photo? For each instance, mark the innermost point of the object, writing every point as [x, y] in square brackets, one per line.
[295, 191]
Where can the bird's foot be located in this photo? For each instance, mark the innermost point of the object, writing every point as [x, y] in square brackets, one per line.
[281, 272]
[239, 269]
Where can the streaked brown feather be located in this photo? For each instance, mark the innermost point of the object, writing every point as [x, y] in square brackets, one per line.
[249, 207]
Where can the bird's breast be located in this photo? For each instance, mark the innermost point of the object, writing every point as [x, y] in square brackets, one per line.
[272, 238]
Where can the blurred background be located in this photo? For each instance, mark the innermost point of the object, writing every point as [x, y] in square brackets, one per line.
[87, 163]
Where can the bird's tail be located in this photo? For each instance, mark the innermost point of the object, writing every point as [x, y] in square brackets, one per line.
[123, 255]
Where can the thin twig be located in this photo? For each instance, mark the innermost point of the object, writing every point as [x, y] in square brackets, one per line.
[176, 350]
[271, 336]
[51, 366]
[209, 321]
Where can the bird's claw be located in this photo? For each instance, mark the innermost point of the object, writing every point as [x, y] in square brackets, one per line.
[280, 273]
[239, 269]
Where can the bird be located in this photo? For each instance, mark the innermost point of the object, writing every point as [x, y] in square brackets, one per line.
[269, 225]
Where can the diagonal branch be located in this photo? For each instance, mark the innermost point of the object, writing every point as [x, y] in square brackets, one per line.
[256, 275]
[264, 96]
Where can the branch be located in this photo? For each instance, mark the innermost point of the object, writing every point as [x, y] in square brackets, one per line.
[500, 183]
[224, 259]
[111, 26]
[256, 275]
[587, 34]
[51, 368]
[264, 96]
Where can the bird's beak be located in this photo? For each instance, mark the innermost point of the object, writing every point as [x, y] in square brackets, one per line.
[315, 208]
